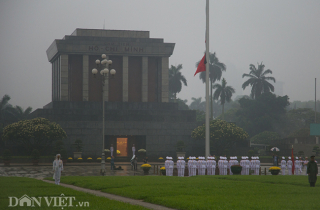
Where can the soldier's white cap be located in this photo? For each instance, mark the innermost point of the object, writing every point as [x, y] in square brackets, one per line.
[182, 158]
[213, 158]
[283, 158]
[167, 158]
[289, 158]
[297, 158]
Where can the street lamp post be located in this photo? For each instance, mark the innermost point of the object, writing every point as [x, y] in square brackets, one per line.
[105, 65]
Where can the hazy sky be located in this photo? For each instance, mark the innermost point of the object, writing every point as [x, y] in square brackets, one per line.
[284, 35]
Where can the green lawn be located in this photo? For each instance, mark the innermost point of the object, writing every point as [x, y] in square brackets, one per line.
[18, 186]
[210, 192]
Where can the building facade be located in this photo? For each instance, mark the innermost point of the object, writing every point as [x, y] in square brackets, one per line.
[136, 98]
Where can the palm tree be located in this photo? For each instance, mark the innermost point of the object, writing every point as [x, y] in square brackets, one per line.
[176, 79]
[224, 93]
[197, 104]
[258, 80]
[7, 112]
[22, 114]
[215, 72]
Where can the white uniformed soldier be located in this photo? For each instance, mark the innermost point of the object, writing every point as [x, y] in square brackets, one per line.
[289, 165]
[166, 165]
[247, 165]
[220, 165]
[209, 166]
[181, 166]
[283, 165]
[297, 166]
[111, 150]
[214, 165]
[230, 164]
[305, 163]
[225, 166]
[190, 165]
[242, 163]
[133, 149]
[194, 166]
[252, 163]
[203, 166]
[171, 166]
[257, 169]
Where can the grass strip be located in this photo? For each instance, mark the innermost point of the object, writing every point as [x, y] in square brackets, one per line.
[209, 192]
[19, 186]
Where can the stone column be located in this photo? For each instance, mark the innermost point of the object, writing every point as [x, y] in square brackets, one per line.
[85, 78]
[144, 79]
[165, 79]
[125, 81]
[64, 78]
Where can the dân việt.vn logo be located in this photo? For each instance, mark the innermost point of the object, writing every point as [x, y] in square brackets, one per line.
[49, 201]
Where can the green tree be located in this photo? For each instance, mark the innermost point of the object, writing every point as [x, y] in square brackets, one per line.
[22, 114]
[176, 79]
[258, 80]
[215, 72]
[261, 114]
[301, 133]
[223, 92]
[38, 133]
[265, 137]
[223, 135]
[197, 104]
[7, 112]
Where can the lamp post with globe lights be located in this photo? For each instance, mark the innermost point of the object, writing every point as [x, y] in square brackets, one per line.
[105, 65]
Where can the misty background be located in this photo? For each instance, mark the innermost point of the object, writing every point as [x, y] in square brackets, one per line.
[284, 35]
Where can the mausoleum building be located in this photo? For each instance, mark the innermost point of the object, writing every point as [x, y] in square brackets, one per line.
[137, 107]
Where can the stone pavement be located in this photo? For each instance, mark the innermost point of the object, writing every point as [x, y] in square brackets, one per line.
[114, 197]
[86, 169]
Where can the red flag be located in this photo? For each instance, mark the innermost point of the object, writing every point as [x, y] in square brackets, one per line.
[292, 158]
[202, 65]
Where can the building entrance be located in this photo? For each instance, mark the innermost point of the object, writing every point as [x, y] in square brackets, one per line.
[122, 147]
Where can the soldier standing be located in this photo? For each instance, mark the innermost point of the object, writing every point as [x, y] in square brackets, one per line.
[194, 166]
[171, 166]
[209, 166]
[203, 166]
[190, 166]
[183, 166]
[166, 165]
[111, 150]
[305, 163]
[133, 149]
[312, 170]
[242, 163]
[257, 166]
[289, 166]
[283, 165]
[296, 166]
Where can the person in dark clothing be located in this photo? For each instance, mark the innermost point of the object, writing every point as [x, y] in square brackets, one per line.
[312, 171]
[112, 163]
[135, 163]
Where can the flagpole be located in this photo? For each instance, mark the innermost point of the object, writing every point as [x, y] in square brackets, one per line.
[207, 141]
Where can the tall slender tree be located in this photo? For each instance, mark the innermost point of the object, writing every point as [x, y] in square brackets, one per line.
[215, 72]
[175, 80]
[258, 80]
[223, 92]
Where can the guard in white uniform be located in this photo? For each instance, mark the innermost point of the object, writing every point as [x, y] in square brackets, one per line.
[283, 166]
[194, 166]
[203, 166]
[220, 165]
[133, 149]
[181, 164]
[289, 166]
[243, 164]
[167, 165]
[297, 166]
[257, 172]
[305, 163]
[190, 166]
[247, 165]
[225, 166]
[111, 150]
[209, 166]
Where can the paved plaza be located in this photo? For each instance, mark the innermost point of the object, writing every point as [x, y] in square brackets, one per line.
[87, 169]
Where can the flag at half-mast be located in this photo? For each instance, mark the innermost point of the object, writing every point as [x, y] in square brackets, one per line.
[201, 65]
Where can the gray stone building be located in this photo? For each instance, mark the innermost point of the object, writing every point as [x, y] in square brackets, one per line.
[137, 107]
